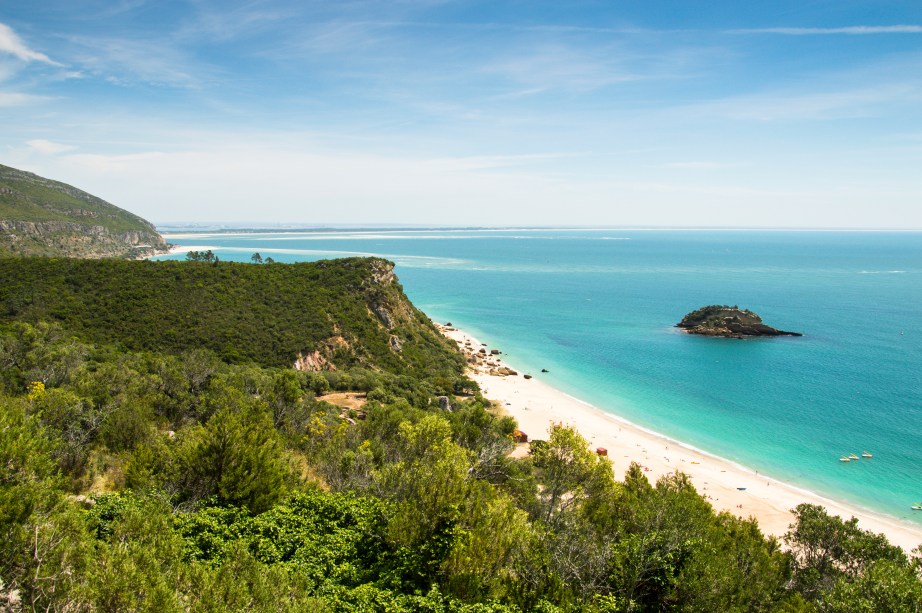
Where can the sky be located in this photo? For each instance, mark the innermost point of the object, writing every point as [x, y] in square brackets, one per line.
[780, 114]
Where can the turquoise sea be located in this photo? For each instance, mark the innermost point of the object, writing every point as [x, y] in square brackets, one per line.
[597, 309]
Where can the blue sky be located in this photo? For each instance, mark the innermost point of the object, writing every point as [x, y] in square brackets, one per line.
[716, 114]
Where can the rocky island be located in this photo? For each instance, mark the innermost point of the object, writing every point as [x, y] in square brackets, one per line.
[728, 322]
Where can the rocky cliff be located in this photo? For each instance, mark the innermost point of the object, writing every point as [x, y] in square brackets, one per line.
[39, 216]
[727, 321]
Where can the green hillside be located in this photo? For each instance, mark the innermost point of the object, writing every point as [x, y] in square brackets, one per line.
[330, 314]
[159, 453]
[39, 216]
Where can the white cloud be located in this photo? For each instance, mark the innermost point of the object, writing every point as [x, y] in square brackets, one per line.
[898, 29]
[48, 147]
[701, 165]
[11, 43]
[9, 99]
[796, 106]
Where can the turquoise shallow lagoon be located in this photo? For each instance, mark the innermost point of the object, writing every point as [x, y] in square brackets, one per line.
[597, 308]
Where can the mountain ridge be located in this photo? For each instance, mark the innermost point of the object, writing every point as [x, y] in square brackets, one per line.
[41, 216]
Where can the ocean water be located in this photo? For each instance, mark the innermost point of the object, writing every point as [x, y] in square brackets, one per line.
[597, 308]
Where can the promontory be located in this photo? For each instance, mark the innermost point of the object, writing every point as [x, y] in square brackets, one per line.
[729, 322]
[42, 217]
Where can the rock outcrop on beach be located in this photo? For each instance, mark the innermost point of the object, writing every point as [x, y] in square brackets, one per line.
[39, 216]
[728, 322]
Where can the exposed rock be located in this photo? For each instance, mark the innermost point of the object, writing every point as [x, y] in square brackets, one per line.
[396, 343]
[444, 404]
[383, 315]
[382, 272]
[319, 359]
[727, 321]
[312, 362]
[494, 352]
[46, 217]
[527, 376]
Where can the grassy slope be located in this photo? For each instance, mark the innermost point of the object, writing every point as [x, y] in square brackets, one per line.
[34, 198]
[69, 221]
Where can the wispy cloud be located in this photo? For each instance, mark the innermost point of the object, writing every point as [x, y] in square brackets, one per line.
[10, 99]
[123, 61]
[702, 165]
[854, 30]
[560, 68]
[224, 24]
[48, 147]
[11, 43]
[793, 106]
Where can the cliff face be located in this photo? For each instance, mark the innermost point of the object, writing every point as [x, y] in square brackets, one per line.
[39, 216]
[727, 321]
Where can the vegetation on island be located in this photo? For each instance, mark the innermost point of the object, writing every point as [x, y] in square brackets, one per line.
[147, 467]
[39, 216]
[728, 321]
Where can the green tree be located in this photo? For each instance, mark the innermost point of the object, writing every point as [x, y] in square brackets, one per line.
[570, 474]
[825, 548]
[237, 456]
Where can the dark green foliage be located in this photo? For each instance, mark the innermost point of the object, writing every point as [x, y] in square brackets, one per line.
[346, 310]
[238, 457]
[201, 256]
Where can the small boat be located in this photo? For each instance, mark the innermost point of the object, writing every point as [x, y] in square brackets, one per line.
[852, 456]
[865, 454]
[845, 459]
[917, 507]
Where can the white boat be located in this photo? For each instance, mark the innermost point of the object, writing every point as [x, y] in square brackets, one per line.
[845, 459]
[865, 454]
[852, 456]
[917, 507]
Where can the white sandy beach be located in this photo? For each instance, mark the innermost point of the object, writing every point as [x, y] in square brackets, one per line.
[536, 405]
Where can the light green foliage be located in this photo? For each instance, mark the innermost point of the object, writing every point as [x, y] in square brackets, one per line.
[27, 474]
[829, 551]
[43, 352]
[570, 474]
[884, 586]
[427, 480]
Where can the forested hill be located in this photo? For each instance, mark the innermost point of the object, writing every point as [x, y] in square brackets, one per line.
[159, 453]
[323, 315]
[39, 216]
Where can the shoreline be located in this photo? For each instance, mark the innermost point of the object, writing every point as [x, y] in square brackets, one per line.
[727, 485]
